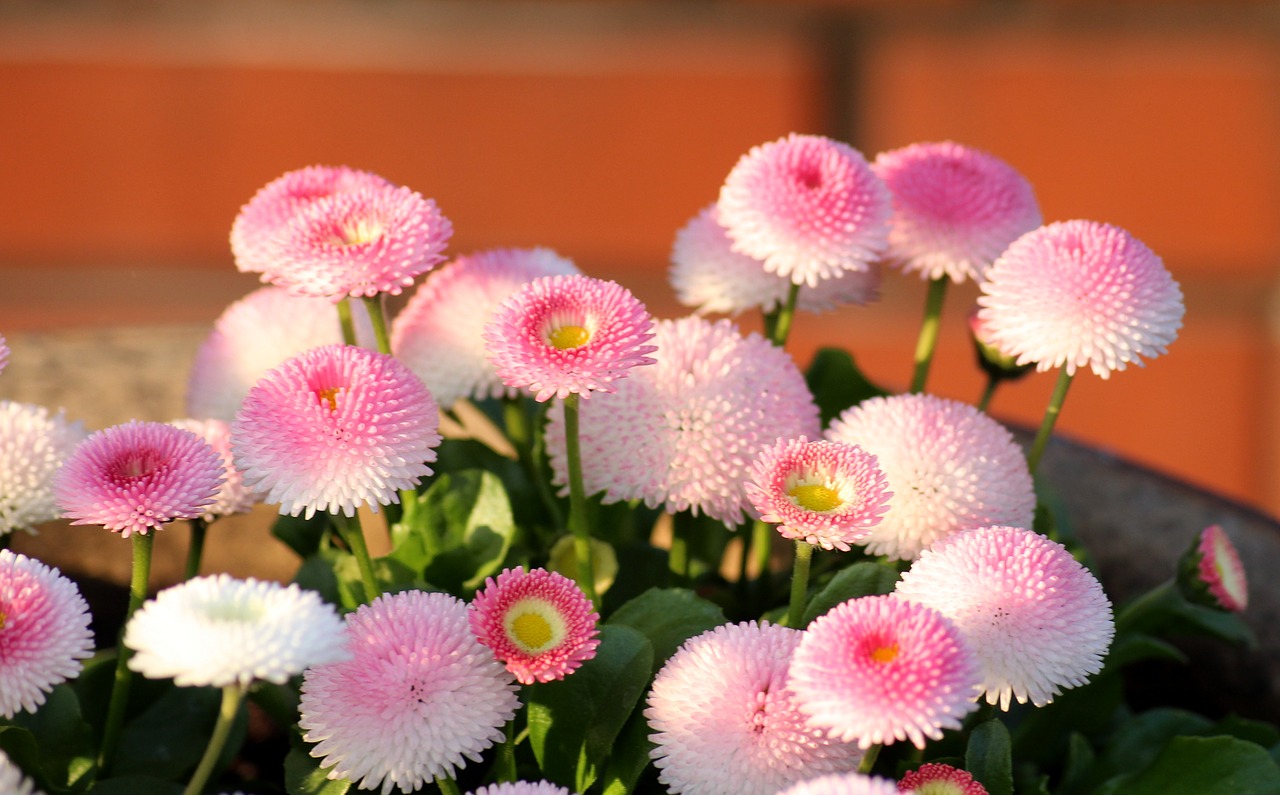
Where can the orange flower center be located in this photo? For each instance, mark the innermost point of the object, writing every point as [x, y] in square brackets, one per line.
[330, 395]
[885, 654]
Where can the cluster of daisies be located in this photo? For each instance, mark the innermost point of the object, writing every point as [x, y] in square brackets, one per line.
[305, 396]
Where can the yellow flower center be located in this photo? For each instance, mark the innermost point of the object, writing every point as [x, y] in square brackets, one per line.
[532, 630]
[885, 654]
[565, 337]
[364, 230]
[815, 498]
[330, 396]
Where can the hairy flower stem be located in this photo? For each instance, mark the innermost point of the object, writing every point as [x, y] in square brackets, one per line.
[584, 571]
[345, 322]
[799, 584]
[504, 766]
[678, 558]
[142, 543]
[1056, 400]
[869, 759]
[928, 340]
[448, 786]
[353, 534]
[988, 392]
[762, 551]
[528, 444]
[199, 527]
[777, 324]
[232, 695]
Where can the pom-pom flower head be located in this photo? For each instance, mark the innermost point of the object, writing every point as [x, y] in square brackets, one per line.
[218, 631]
[4, 353]
[440, 333]
[335, 428]
[955, 209]
[136, 477]
[44, 632]
[419, 696]
[233, 497]
[33, 446]
[539, 623]
[939, 779]
[1037, 618]
[522, 788]
[725, 721]
[12, 780]
[1080, 293]
[562, 335]
[1211, 573]
[879, 670]
[807, 206]
[843, 784]
[949, 466]
[827, 494]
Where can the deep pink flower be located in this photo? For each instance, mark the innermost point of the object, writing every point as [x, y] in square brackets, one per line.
[1036, 617]
[562, 335]
[828, 494]
[334, 428]
[955, 209]
[1080, 293]
[537, 622]
[683, 433]
[44, 632]
[808, 206]
[136, 477]
[1217, 573]
[880, 669]
[440, 332]
[939, 779]
[725, 721]
[419, 697]
[33, 445]
[950, 467]
[843, 784]
[234, 496]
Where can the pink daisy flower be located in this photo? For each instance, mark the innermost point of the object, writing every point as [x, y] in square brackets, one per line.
[949, 466]
[725, 721]
[44, 633]
[562, 335]
[683, 433]
[879, 670]
[843, 784]
[808, 206]
[537, 622]
[234, 496]
[419, 697]
[939, 779]
[335, 428]
[955, 209]
[1080, 293]
[1211, 573]
[1036, 617]
[440, 332]
[4, 353]
[33, 446]
[255, 334]
[709, 276]
[522, 788]
[827, 494]
[136, 477]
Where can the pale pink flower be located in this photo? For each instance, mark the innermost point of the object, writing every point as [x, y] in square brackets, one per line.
[950, 467]
[879, 670]
[335, 428]
[843, 784]
[1036, 617]
[562, 335]
[808, 206]
[33, 445]
[439, 334]
[1080, 293]
[4, 353]
[522, 788]
[44, 633]
[709, 276]
[419, 697]
[683, 433]
[136, 477]
[539, 623]
[234, 496]
[828, 494]
[1216, 571]
[725, 721]
[955, 209]
[13, 781]
[938, 779]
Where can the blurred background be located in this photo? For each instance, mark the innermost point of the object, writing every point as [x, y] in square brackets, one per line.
[132, 132]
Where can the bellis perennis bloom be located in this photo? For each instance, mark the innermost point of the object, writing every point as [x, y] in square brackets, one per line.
[1080, 293]
[939, 779]
[563, 335]
[539, 623]
[233, 497]
[12, 780]
[136, 477]
[33, 445]
[843, 784]
[1211, 572]
[522, 788]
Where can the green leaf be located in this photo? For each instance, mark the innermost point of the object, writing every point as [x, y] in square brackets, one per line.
[1138, 646]
[860, 579]
[20, 746]
[629, 757]
[837, 383]
[303, 536]
[304, 776]
[574, 722]
[1136, 742]
[168, 739]
[1079, 762]
[136, 785]
[1254, 731]
[1202, 766]
[989, 757]
[668, 617]
[65, 739]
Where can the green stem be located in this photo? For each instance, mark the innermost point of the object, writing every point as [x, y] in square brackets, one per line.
[199, 527]
[778, 325]
[928, 341]
[799, 584]
[232, 695]
[353, 534]
[1050, 417]
[345, 322]
[988, 392]
[515, 418]
[448, 786]
[578, 501]
[142, 544]
[1158, 599]
[869, 760]
[678, 559]
[505, 765]
[762, 549]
